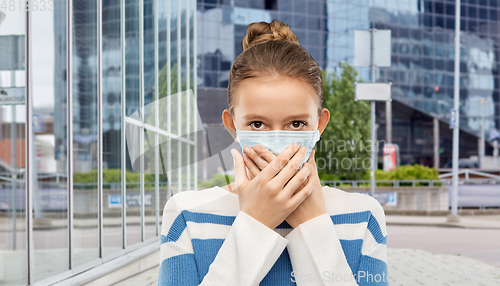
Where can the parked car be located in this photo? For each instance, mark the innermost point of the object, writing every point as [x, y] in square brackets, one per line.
[463, 163]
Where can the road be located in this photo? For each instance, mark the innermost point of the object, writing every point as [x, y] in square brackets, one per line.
[477, 195]
[481, 244]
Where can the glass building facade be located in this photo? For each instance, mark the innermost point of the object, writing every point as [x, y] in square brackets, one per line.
[97, 130]
[422, 60]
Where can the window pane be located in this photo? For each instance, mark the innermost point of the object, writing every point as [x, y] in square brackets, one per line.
[12, 151]
[132, 72]
[132, 57]
[133, 177]
[184, 60]
[174, 78]
[149, 184]
[112, 129]
[163, 178]
[174, 157]
[85, 232]
[149, 52]
[50, 222]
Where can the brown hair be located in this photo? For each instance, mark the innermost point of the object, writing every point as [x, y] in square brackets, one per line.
[273, 49]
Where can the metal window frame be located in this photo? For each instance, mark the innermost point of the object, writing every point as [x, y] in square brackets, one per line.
[157, 119]
[69, 125]
[99, 128]
[169, 100]
[179, 99]
[123, 125]
[141, 107]
[29, 153]
[195, 87]
[188, 94]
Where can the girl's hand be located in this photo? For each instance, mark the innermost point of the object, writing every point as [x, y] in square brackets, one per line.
[274, 192]
[312, 206]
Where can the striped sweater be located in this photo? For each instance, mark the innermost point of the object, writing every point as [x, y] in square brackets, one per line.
[207, 240]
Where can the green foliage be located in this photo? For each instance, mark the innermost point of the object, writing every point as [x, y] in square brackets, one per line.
[343, 147]
[323, 176]
[216, 180]
[111, 176]
[405, 172]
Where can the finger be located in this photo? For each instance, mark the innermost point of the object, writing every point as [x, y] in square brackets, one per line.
[291, 168]
[276, 165]
[258, 160]
[264, 153]
[311, 158]
[302, 194]
[239, 168]
[297, 181]
[303, 184]
[254, 170]
[314, 166]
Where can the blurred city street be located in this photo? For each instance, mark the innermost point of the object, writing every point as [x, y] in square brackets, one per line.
[110, 108]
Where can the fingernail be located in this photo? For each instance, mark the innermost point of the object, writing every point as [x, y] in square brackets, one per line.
[296, 146]
[256, 149]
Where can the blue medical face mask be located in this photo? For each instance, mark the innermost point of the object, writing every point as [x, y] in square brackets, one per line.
[278, 140]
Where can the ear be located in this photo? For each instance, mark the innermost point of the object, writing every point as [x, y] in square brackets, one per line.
[227, 119]
[324, 118]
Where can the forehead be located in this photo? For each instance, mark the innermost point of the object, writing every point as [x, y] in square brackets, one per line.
[273, 96]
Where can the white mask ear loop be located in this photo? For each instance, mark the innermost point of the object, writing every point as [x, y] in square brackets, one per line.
[236, 138]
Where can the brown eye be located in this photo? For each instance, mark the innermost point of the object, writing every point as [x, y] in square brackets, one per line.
[256, 124]
[298, 124]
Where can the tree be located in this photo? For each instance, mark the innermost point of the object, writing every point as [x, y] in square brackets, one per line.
[343, 151]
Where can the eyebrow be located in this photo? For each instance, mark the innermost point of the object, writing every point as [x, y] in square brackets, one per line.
[256, 116]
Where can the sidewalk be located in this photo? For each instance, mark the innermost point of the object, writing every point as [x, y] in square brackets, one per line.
[406, 267]
[479, 221]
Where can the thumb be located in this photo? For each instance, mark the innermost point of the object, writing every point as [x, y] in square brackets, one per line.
[239, 168]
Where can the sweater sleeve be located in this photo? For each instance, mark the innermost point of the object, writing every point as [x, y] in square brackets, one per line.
[372, 268]
[247, 254]
[316, 253]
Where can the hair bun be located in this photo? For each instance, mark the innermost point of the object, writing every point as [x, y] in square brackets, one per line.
[261, 32]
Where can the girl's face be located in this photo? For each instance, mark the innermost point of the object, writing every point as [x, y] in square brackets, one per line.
[275, 103]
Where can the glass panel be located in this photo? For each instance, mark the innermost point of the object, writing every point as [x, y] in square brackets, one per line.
[13, 261]
[133, 232]
[174, 157]
[132, 57]
[163, 178]
[185, 166]
[50, 210]
[149, 52]
[184, 59]
[192, 166]
[149, 184]
[133, 197]
[85, 133]
[192, 56]
[173, 67]
[111, 116]
[162, 63]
